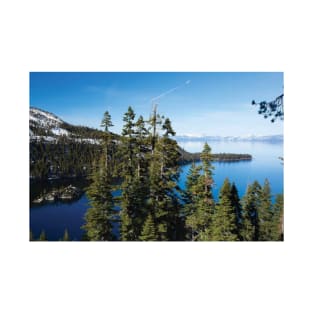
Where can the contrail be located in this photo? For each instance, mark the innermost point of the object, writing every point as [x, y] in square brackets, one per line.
[187, 82]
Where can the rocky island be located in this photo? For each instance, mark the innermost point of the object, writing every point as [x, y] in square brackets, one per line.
[68, 193]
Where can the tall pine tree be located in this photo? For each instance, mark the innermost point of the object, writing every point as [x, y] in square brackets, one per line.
[265, 213]
[235, 200]
[199, 200]
[250, 220]
[206, 202]
[224, 226]
[99, 217]
[278, 219]
[191, 199]
[130, 201]
[163, 182]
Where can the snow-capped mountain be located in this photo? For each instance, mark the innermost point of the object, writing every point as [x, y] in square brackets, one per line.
[46, 126]
[44, 118]
[269, 138]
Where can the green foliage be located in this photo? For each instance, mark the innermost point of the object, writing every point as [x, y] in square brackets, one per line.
[265, 213]
[235, 202]
[149, 230]
[130, 199]
[278, 219]
[146, 160]
[163, 182]
[200, 203]
[250, 205]
[191, 199]
[63, 159]
[224, 226]
[106, 122]
[100, 216]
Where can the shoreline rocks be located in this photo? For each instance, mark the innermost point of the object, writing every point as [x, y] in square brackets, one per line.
[67, 193]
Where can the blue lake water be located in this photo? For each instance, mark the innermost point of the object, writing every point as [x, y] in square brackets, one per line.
[55, 217]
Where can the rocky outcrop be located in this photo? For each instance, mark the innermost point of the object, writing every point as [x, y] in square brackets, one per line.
[68, 193]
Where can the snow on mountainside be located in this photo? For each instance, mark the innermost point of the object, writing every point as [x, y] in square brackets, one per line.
[44, 118]
[50, 128]
[45, 125]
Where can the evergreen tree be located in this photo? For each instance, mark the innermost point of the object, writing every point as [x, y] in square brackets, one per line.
[265, 213]
[250, 205]
[106, 122]
[141, 148]
[199, 198]
[163, 183]
[42, 236]
[191, 198]
[99, 217]
[205, 209]
[235, 201]
[154, 121]
[129, 198]
[149, 230]
[278, 219]
[224, 226]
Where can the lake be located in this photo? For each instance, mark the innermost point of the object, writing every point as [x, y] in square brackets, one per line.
[55, 217]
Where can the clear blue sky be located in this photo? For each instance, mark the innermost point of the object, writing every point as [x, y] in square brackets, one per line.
[197, 103]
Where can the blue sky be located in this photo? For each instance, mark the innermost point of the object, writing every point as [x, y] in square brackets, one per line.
[198, 103]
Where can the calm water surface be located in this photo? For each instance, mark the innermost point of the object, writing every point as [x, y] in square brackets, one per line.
[55, 217]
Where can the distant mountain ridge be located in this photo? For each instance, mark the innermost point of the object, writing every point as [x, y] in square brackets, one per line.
[61, 150]
[269, 138]
[48, 127]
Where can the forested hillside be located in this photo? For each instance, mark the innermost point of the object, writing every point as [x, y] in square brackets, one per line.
[61, 150]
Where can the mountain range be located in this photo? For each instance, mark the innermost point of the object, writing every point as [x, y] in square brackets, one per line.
[48, 127]
[269, 138]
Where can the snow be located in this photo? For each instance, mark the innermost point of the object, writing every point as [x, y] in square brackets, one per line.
[44, 138]
[59, 131]
[46, 115]
[51, 123]
[89, 140]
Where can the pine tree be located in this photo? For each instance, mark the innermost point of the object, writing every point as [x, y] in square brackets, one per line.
[99, 217]
[141, 175]
[163, 183]
[224, 226]
[278, 219]
[106, 122]
[129, 198]
[191, 198]
[199, 200]
[149, 230]
[206, 204]
[43, 236]
[250, 205]
[265, 213]
[235, 201]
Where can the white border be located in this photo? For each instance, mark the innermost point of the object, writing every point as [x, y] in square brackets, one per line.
[155, 36]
